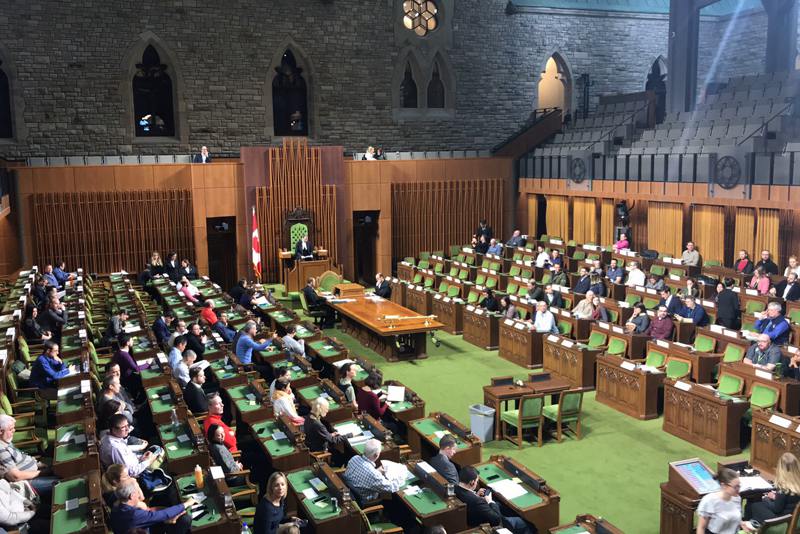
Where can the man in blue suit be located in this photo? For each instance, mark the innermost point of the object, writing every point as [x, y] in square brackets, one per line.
[772, 323]
[692, 313]
[161, 327]
[672, 302]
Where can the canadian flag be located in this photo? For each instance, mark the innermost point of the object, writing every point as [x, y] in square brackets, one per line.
[256, 247]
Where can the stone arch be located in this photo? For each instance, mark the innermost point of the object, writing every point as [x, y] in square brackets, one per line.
[132, 57]
[441, 65]
[16, 104]
[558, 83]
[408, 58]
[303, 62]
[656, 82]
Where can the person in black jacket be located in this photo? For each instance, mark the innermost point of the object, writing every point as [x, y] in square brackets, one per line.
[743, 264]
[196, 340]
[442, 463]
[382, 287]
[483, 230]
[584, 282]
[672, 302]
[31, 329]
[784, 498]
[727, 305]
[788, 289]
[315, 302]
[320, 435]
[172, 267]
[766, 263]
[489, 301]
[238, 290]
[193, 393]
[480, 506]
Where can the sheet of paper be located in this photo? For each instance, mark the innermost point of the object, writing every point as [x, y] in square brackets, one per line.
[754, 483]
[216, 472]
[425, 466]
[317, 484]
[396, 394]
[508, 489]
[183, 438]
[66, 437]
[277, 436]
[349, 428]
[309, 493]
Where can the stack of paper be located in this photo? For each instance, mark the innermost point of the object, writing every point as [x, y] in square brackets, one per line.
[508, 489]
[349, 428]
[396, 394]
[754, 483]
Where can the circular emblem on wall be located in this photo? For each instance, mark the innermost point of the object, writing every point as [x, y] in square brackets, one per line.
[578, 168]
[728, 172]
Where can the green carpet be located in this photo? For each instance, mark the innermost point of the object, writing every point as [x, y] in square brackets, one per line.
[614, 471]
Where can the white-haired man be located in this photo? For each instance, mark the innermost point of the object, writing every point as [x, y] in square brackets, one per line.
[19, 466]
[365, 479]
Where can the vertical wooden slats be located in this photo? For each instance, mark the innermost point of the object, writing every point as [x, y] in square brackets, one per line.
[112, 230]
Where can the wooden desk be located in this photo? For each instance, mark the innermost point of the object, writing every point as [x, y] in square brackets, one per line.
[78, 455]
[520, 344]
[773, 435]
[220, 518]
[539, 505]
[87, 517]
[637, 343]
[348, 291]
[586, 523]
[789, 389]
[450, 312]
[283, 454]
[632, 392]
[405, 271]
[719, 272]
[570, 360]
[412, 407]
[703, 364]
[481, 327]
[184, 446]
[251, 403]
[418, 299]
[365, 422]
[424, 435]
[364, 320]
[295, 279]
[398, 291]
[325, 520]
[340, 409]
[698, 415]
[432, 506]
[724, 337]
[497, 396]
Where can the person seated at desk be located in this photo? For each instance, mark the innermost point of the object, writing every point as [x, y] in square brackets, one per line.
[600, 312]
[552, 297]
[63, 276]
[773, 323]
[597, 286]
[303, 249]
[291, 344]
[368, 397]
[246, 300]
[383, 288]
[320, 435]
[17, 506]
[270, 515]
[639, 321]
[559, 277]
[31, 328]
[766, 263]
[187, 270]
[160, 327]
[654, 282]
[584, 282]
[742, 263]
[690, 290]
[282, 374]
[480, 244]
[317, 303]
[54, 317]
[508, 308]
[193, 392]
[39, 293]
[131, 512]
[532, 292]
[366, 480]
[347, 372]
[662, 326]
[760, 281]
[208, 314]
[47, 274]
[442, 463]
[115, 449]
[597, 268]
[130, 377]
[481, 508]
[283, 403]
[615, 273]
[763, 354]
[222, 328]
[793, 267]
[113, 369]
[185, 289]
[585, 308]
[543, 320]
[495, 247]
[489, 302]
[728, 311]
[516, 240]
[112, 390]
[47, 370]
[215, 409]
[622, 243]
[635, 275]
[237, 290]
[788, 290]
[692, 313]
[220, 453]
[690, 256]
[116, 325]
[18, 466]
[172, 267]
[176, 352]
[180, 330]
[720, 512]
[673, 303]
[196, 340]
[542, 257]
[114, 476]
[203, 156]
[181, 372]
[245, 346]
[556, 259]
[784, 498]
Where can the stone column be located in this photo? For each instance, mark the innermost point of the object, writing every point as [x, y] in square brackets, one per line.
[781, 34]
[684, 24]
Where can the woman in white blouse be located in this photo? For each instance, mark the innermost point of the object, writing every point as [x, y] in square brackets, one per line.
[720, 512]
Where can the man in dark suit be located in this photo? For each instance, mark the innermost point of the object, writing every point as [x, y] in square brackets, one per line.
[441, 462]
[728, 311]
[692, 313]
[787, 289]
[188, 270]
[766, 263]
[39, 293]
[382, 287]
[584, 282]
[483, 230]
[315, 302]
[516, 240]
[172, 267]
[743, 264]
[161, 327]
[672, 302]
[480, 506]
[193, 393]
[203, 156]
[303, 249]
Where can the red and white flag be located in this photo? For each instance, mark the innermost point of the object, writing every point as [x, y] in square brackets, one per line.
[256, 247]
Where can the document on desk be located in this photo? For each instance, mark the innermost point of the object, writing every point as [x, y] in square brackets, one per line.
[754, 483]
[508, 489]
[396, 394]
[395, 472]
[349, 428]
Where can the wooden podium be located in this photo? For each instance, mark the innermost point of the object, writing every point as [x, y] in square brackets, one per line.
[688, 481]
[294, 273]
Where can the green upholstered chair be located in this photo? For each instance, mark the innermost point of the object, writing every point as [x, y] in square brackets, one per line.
[328, 279]
[568, 410]
[565, 328]
[473, 297]
[655, 358]
[438, 268]
[470, 260]
[523, 313]
[443, 286]
[463, 274]
[480, 279]
[617, 346]
[453, 271]
[318, 315]
[522, 291]
[514, 271]
[495, 266]
[424, 255]
[512, 288]
[753, 306]
[491, 282]
[657, 270]
[711, 263]
[453, 291]
[526, 417]
[733, 353]
[730, 384]
[296, 233]
[763, 396]
[613, 315]
[632, 299]
[410, 260]
[678, 368]
[429, 280]
[794, 316]
[424, 264]
[597, 339]
[704, 343]
[373, 520]
[417, 278]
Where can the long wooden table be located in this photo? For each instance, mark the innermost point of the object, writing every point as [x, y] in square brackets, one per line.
[370, 321]
[631, 391]
[698, 415]
[496, 396]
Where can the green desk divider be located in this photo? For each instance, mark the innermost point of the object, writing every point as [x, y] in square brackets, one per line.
[312, 392]
[426, 502]
[401, 406]
[325, 349]
[70, 489]
[265, 429]
[176, 449]
[69, 452]
[69, 403]
[155, 394]
[168, 432]
[280, 447]
[429, 427]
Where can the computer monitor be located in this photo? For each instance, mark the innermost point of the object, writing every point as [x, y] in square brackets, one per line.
[692, 477]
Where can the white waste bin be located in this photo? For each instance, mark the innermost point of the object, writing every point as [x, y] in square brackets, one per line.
[481, 420]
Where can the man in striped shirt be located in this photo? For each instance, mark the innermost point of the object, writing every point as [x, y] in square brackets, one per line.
[19, 466]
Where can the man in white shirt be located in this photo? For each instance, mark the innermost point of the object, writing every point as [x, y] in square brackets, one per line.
[544, 321]
[291, 343]
[690, 256]
[542, 257]
[181, 372]
[635, 276]
[180, 330]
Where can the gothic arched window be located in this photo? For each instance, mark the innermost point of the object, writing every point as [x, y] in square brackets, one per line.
[6, 127]
[436, 89]
[408, 89]
[289, 98]
[153, 98]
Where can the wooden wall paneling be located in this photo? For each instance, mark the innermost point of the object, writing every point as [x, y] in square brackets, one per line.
[708, 228]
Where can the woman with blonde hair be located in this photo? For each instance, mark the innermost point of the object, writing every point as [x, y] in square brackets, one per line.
[270, 512]
[115, 475]
[156, 264]
[786, 495]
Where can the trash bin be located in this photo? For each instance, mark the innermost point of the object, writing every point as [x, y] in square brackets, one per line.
[481, 420]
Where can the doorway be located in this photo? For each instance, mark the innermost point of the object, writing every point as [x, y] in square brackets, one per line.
[221, 239]
[656, 82]
[555, 86]
[365, 245]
